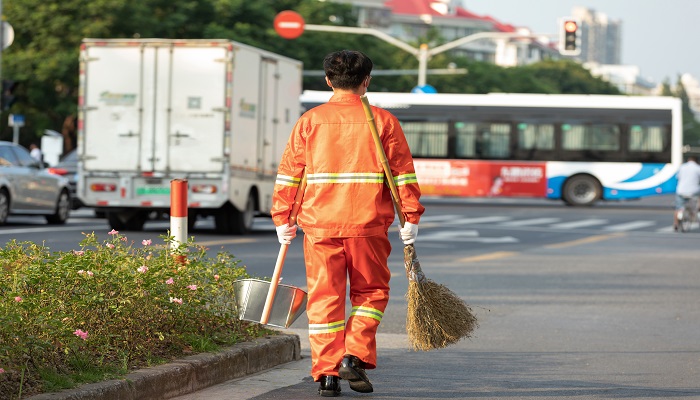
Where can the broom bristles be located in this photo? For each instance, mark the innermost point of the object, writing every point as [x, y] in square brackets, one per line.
[436, 317]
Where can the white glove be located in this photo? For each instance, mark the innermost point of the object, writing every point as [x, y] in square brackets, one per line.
[408, 233]
[286, 233]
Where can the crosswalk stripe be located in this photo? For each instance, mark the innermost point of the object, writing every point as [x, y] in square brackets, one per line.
[580, 224]
[480, 220]
[629, 226]
[534, 221]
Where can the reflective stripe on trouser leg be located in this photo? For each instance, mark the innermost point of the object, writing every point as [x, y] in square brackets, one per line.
[326, 281]
[369, 293]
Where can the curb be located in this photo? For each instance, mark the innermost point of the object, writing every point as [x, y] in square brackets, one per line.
[189, 374]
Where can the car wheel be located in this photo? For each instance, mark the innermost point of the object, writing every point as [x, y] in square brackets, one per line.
[62, 210]
[4, 206]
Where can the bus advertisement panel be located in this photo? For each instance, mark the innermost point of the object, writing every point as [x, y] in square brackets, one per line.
[481, 178]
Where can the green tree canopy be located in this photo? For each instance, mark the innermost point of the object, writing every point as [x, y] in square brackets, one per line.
[44, 56]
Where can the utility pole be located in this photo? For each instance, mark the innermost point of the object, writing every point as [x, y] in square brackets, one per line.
[423, 53]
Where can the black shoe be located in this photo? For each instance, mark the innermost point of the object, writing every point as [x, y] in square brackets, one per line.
[330, 386]
[352, 371]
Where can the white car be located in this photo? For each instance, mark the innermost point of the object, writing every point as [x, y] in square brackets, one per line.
[27, 188]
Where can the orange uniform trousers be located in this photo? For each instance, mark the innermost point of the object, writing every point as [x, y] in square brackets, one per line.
[330, 262]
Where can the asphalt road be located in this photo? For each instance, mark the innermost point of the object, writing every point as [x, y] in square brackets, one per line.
[600, 302]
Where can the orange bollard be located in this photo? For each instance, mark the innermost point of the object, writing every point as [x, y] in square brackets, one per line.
[178, 215]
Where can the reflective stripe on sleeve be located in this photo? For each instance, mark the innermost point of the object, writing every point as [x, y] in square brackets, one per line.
[317, 329]
[287, 180]
[362, 311]
[405, 179]
[346, 177]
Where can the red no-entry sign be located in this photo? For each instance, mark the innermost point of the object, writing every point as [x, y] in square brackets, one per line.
[289, 24]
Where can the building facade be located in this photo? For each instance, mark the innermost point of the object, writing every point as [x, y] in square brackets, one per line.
[600, 37]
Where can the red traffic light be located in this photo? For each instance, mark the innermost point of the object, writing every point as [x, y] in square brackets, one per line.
[570, 26]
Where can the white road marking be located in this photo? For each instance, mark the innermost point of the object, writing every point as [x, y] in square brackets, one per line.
[580, 224]
[628, 226]
[533, 221]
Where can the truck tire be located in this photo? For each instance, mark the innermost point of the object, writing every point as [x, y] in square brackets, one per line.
[581, 190]
[127, 220]
[229, 220]
[63, 207]
[4, 206]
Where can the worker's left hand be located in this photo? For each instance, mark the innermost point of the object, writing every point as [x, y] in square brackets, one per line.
[408, 233]
[286, 233]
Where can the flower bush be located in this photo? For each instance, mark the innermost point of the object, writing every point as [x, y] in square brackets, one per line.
[68, 318]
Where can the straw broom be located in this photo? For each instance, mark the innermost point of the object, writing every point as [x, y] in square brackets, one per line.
[436, 317]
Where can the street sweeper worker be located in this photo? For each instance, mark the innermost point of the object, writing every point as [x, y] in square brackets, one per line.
[345, 214]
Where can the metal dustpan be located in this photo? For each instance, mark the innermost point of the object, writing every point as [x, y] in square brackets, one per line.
[288, 304]
[270, 303]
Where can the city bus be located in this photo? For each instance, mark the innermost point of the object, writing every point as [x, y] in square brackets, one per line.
[577, 148]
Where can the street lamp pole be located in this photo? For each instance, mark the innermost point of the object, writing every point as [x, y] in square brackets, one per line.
[423, 53]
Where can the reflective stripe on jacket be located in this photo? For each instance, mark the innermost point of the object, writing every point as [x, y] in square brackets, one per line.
[346, 194]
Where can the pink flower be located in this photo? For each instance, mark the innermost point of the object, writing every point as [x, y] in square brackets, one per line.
[81, 334]
[192, 287]
[175, 300]
[113, 232]
[170, 281]
[146, 242]
[2, 371]
[216, 277]
[142, 269]
[18, 299]
[78, 252]
[123, 239]
[90, 273]
[81, 272]
[110, 245]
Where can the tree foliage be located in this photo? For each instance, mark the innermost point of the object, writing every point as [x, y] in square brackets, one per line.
[44, 56]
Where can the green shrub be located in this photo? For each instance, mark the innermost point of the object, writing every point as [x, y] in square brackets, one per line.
[68, 318]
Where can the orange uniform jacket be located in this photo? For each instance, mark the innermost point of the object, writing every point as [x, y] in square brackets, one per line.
[346, 195]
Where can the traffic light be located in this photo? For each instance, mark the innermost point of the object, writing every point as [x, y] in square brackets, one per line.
[570, 37]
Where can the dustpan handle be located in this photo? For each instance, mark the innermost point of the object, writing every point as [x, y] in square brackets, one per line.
[382, 155]
[282, 254]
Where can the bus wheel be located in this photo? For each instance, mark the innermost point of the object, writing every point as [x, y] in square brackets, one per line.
[581, 190]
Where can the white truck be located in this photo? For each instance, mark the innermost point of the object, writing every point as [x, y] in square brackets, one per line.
[214, 112]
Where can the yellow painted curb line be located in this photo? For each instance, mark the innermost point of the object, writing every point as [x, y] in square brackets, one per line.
[590, 239]
[489, 256]
[227, 241]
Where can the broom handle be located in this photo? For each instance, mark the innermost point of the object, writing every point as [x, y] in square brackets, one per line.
[385, 163]
[267, 309]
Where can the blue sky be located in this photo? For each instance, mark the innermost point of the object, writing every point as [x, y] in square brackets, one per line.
[658, 36]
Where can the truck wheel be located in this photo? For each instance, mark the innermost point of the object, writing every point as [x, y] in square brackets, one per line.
[243, 220]
[4, 206]
[63, 207]
[229, 220]
[581, 190]
[126, 220]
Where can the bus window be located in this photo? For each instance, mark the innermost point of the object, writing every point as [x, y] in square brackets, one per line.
[483, 140]
[605, 137]
[498, 141]
[426, 139]
[647, 138]
[466, 140]
[535, 136]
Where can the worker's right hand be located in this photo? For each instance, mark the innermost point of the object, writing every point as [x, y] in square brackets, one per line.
[286, 233]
